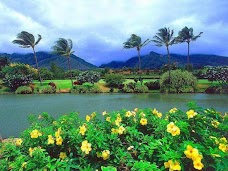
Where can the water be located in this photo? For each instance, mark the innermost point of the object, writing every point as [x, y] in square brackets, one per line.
[15, 109]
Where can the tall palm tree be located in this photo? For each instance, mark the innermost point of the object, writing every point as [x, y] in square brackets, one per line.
[164, 37]
[186, 35]
[135, 42]
[64, 47]
[27, 40]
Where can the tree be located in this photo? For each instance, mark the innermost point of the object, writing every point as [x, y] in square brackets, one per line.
[186, 35]
[3, 61]
[58, 72]
[64, 47]
[27, 40]
[164, 37]
[135, 42]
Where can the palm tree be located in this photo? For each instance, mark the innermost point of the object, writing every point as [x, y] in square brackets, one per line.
[186, 35]
[27, 40]
[164, 37]
[135, 42]
[64, 47]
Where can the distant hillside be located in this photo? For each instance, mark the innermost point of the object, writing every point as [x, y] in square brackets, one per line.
[155, 61]
[45, 59]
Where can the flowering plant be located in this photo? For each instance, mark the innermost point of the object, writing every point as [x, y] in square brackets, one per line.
[141, 139]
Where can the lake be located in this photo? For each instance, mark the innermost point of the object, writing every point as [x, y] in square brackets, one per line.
[15, 109]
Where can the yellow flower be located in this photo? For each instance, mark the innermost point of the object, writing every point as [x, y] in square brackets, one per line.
[121, 130]
[223, 147]
[198, 165]
[86, 147]
[142, 114]
[191, 152]
[128, 114]
[159, 114]
[117, 123]
[119, 119]
[136, 109]
[223, 139]
[88, 118]
[173, 129]
[19, 142]
[57, 133]
[172, 165]
[104, 113]
[173, 110]
[51, 140]
[108, 119]
[30, 151]
[62, 155]
[105, 154]
[215, 123]
[24, 165]
[114, 131]
[35, 134]
[130, 147]
[191, 113]
[93, 114]
[59, 140]
[156, 113]
[143, 121]
[82, 129]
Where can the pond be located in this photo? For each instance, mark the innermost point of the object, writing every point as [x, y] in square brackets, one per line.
[15, 109]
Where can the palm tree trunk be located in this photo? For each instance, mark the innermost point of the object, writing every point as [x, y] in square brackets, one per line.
[139, 70]
[69, 67]
[37, 66]
[188, 60]
[169, 66]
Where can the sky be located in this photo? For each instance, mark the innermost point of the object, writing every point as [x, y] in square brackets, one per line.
[98, 28]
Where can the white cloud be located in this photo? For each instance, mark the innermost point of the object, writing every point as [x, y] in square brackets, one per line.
[99, 27]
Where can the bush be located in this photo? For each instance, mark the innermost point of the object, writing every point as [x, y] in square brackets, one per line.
[181, 81]
[114, 80]
[142, 139]
[85, 88]
[46, 74]
[153, 85]
[47, 90]
[24, 90]
[219, 74]
[135, 88]
[89, 76]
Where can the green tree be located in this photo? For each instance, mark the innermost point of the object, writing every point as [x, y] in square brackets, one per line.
[46, 74]
[164, 37]
[3, 61]
[27, 40]
[58, 72]
[186, 35]
[135, 42]
[64, 47]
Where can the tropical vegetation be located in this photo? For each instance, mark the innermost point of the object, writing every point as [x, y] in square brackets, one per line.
[141, 139]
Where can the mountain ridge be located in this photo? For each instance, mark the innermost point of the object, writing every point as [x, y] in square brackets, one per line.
[155, 60]
[46, 58]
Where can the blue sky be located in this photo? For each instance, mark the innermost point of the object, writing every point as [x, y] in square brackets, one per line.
[98, 28]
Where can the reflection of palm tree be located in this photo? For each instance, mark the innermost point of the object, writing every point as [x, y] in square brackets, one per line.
[64, 47]
[186, 35]
[135, 42]
[27, 40]
[164, 37]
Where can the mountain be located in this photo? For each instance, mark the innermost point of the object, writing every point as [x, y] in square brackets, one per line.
[155, 61]
[46, 58]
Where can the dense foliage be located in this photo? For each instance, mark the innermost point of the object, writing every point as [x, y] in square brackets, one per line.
[180, 81]
[114, 80]
[85, 88]
[24, 90]
[219, 74]
[89, 76]
[142, 139]
[153, 85]
[134, 88]
[16, 75]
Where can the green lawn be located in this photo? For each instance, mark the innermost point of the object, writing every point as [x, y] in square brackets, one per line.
[61, 84]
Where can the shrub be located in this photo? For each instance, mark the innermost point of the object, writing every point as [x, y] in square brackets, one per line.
[89, 76]
[47, 90]
[180, 81]
[17, 80]
[219, 74]
[141, 139]
[114, 80]
[135, 88]
[85, 88]
[24, 90]
[153, 85]
[46, 74]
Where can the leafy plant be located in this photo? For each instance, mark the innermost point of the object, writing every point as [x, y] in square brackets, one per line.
[24, 90]
[88, 76]
[114, 80]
